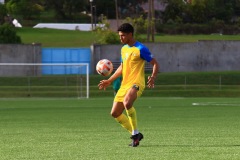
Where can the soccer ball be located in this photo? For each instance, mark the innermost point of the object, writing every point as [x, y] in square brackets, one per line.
[104, 67]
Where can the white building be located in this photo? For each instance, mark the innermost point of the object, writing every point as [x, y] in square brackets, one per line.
[158, 6]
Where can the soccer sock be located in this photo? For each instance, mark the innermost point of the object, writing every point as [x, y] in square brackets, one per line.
[124, 121]
[132, 116]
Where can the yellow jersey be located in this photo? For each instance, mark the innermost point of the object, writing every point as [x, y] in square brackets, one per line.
[133, 61]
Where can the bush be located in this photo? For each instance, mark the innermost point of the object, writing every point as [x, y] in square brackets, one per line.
[140, 27]
[110, 37]
[8, 35]
[106, 35]
[3, 13]
[231, 29]
[214, 27]
[140, 24]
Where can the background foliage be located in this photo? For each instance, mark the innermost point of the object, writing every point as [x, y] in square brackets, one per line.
[179, 17]
[8, 34]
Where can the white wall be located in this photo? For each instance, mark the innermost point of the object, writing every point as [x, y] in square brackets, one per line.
[66, 26]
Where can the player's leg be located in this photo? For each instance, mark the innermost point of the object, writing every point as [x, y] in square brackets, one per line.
[129, 99]
[117, 113]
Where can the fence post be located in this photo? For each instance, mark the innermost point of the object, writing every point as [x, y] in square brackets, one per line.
[220, 82]
[185, 82]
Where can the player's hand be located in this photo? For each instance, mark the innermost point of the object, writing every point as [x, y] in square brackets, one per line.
[104, 84]
[150, 82]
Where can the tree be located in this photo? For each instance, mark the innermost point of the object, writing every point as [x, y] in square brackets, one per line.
[199, 11]
[65, 9]
[3, 13]
[126, 8]
[224, 10]
[236, 7]
[26, 9]
[174, 11]
[8, 34]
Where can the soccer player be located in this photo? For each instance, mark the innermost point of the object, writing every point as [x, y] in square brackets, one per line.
[133, 57]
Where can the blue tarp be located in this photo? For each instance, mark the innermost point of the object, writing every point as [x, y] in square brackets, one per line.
[65, 55]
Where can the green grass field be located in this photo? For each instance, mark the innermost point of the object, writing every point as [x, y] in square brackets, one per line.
[56, 37]
[71, 129]
[68, 38]
[182, 84]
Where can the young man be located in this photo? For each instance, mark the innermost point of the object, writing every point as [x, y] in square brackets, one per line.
[133, 57]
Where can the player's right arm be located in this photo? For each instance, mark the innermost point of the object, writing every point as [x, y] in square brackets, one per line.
[105, 83]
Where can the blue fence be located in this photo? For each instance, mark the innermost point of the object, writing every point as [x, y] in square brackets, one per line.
[65, 55]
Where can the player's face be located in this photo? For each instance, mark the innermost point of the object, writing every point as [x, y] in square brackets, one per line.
[125, 37]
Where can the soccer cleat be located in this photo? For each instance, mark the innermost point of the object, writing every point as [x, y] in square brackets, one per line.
[136, 139]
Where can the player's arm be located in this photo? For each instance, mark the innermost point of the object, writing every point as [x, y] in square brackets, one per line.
[116, 74]
[155, 71]
[105, 83]
[146, 55]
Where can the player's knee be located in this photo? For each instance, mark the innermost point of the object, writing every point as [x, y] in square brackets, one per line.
[127, 104]
[114, 114]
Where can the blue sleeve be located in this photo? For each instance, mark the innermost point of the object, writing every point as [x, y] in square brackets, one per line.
[145, 54]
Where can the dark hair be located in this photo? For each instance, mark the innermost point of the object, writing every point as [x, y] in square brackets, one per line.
[126, 28]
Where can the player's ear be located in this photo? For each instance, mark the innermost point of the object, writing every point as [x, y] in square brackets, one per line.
[132, 34]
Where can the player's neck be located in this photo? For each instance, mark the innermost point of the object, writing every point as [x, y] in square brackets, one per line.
[131, 42]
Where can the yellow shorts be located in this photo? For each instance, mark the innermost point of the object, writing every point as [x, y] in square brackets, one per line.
[123, 91]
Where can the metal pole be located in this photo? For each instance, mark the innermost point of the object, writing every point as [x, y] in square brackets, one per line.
[95, 16]
[153, 21]
[149, 20]
[220, 82]
[91, 13]
[185, 83]
[116, 7]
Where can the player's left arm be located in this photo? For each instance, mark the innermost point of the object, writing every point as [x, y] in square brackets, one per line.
[155, 70]
[146, 55]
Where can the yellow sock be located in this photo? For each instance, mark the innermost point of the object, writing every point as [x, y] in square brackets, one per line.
[124, 121]
[132, 116]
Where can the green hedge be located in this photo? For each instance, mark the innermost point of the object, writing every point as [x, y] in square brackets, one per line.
[214, 28]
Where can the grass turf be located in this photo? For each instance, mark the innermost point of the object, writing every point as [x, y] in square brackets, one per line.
[68, 38]
[56, 37]
[182, 84]
[67, 129]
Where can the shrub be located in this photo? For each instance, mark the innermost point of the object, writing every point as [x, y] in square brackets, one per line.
[3, 13]
[8, 34]
[110, 37]
[106, 36]
[140, 24]
[214, 27]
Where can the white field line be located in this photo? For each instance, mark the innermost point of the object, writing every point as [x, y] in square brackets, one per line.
[215, 104]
